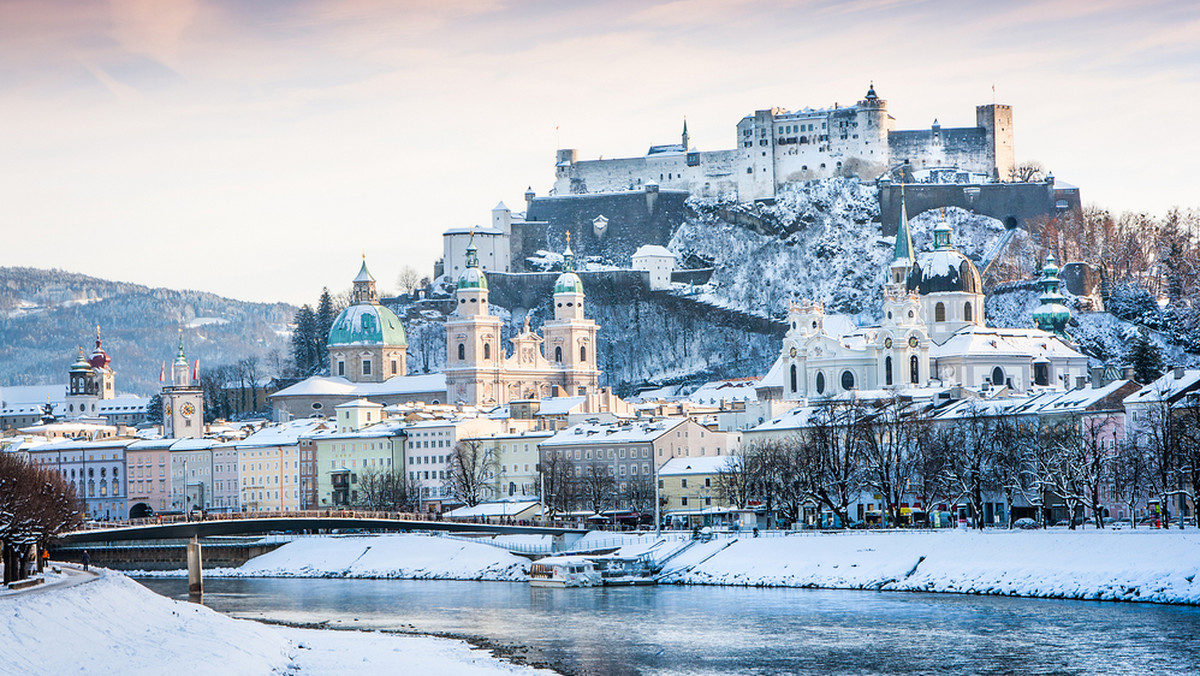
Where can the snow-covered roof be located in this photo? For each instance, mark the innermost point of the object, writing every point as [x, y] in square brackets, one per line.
[559, 405]
[653, 250]
[491, 509]
[359, 403]
[480, 230]
[795, 418]
[284, 434]
[84, 444]
[184, 445]
[978, 340]
[629, 433]
[703, 465]
[1166, 388]
[1080, 399]
[742, 389]
[335, 386]
[160, 444]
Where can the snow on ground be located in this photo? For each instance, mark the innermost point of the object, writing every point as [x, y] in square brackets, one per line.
[1148, 566]
[415, 557]
[113, 625]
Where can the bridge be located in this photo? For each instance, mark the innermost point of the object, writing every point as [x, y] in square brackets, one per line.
[293, 522]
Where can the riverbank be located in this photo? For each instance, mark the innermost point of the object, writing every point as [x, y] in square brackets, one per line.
[114, 625]
[1144, 566]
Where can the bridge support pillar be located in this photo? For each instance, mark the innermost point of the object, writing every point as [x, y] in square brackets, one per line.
[195, 579]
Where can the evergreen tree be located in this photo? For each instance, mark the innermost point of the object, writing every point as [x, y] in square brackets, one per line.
[326, 313]
[304, 357]
[1145, 358]
[154, 410]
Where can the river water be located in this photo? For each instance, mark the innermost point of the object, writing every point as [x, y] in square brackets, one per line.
[733, 630]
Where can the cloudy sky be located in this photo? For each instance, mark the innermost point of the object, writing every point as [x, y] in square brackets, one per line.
[257, 148]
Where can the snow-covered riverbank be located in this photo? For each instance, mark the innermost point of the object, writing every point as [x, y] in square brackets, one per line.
[1147, 566]
[1142, 565]
[113, 625]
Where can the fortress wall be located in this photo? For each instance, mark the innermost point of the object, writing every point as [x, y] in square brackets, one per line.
[634, 218]
[965, 147]
[1011, 203]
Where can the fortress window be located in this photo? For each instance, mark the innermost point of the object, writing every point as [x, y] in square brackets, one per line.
[558, 354]
[939, 313]
[749, 170]
[967, 312]
[462, 352]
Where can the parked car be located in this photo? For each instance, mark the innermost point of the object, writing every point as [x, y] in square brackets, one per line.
[1025, 524]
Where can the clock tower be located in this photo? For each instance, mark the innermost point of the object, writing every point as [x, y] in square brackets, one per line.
[183, 400]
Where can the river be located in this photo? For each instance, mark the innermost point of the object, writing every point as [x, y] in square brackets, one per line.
[668, 630]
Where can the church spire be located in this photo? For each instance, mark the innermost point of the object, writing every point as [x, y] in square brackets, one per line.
[904, 244]
[568, 256]
[685, 134]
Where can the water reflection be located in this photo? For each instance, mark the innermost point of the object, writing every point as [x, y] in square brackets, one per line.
[729, 630]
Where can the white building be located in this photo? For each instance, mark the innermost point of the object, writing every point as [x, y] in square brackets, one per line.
[932, 334]
[658, 261]
[491, 243]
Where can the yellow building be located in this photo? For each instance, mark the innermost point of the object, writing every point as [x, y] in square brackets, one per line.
[693, 484]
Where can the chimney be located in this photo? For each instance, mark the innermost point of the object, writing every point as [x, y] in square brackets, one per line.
[1098, 376]
[1127, 372]
[1179, 373]
[1080, 381]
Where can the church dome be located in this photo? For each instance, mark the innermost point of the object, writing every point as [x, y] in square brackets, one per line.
[367, 324]
[942, 271]
[472, 278]
[568, 282]
[81, 365]
[945, 269]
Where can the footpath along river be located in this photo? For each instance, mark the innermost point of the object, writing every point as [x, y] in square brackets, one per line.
[733, 630]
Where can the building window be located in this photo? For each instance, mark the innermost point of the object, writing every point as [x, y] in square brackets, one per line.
[847, 380]
[793, 377]
[683, 483]
[967, 312]
[939, 313]
[997, 376]
[394, 369]
[487, 351]
[583, 353]
[887, 370]
[558, 354]
[914, 370]
[462, 352]
[820, 383]
[341, 368]
[366, 367]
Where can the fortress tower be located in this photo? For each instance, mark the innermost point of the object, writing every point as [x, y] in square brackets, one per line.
[997, 123]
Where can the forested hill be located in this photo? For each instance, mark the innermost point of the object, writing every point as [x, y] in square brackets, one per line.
[45, 315]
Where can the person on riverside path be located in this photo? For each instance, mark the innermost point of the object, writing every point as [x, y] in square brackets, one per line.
[87, 560]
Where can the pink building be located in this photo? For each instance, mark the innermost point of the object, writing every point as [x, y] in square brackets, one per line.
[148, 476]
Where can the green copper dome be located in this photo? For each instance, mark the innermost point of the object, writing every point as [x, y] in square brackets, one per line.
[367, 324]
[568, 282]
[1052, 315]
[472, 277]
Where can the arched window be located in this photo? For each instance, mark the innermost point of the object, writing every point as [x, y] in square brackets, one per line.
[914, 370]
[462, 351]
[558, 354]
[820, 383]
[847, 380]
[939, 313]
[967, 312]
[583, 353]
[487, 350]
[887, 370]
[997, 376]
[793, 377]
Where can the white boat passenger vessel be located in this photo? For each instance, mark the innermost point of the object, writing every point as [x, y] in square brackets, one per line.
[564, 571]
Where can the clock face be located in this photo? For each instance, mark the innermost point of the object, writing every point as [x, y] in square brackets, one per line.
[912, 341]
[187, 409]
[793, 352]
[887, 342]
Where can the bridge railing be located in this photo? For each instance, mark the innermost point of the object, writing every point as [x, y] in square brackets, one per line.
[194, 517]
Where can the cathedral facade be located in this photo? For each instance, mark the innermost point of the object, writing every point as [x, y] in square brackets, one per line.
[933, 333]
[561, 361]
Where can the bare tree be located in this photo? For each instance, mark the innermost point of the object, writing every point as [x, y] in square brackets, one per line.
[598, 486]
[36, 505]
[473, 466]
[639, 493]
[1129, 481]
[890, 435]
[409, 279]
[558, 481]
[1026, 172]
[971, 462]
[830, 458]
[733, 481]
[384, 490]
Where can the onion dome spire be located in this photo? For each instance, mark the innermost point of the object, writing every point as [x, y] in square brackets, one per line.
[1052, 315]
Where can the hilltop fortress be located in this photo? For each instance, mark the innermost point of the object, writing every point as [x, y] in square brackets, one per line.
[777, 146]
